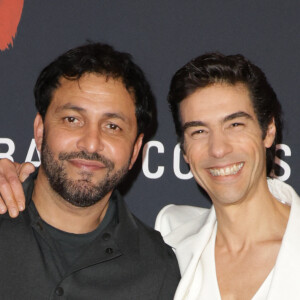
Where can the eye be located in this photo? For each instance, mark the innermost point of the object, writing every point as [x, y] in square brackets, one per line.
[113, 127]
[196, 134]
[71, 120]
[236, 124]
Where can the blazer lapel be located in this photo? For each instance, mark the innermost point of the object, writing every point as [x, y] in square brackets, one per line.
[197, 233]
[285, 282]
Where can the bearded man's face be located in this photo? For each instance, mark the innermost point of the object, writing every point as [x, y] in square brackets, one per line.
[88, 138]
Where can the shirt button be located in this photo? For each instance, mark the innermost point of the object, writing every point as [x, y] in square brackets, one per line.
[106, 236]
[109, 250]
[59, 291]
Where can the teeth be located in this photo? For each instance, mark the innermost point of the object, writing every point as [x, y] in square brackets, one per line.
[226, 171]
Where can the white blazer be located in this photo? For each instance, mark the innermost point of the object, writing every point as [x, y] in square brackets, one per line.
[187, 230]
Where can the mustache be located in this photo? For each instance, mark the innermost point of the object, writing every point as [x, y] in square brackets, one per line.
[87, 156]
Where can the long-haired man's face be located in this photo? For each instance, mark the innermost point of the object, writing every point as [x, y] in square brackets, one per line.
[223, 142]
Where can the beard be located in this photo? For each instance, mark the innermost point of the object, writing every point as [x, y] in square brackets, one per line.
[81, 192]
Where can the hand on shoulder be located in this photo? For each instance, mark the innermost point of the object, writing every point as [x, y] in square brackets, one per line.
[12, 175]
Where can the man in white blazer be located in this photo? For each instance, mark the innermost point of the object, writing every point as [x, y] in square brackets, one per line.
[247, 246]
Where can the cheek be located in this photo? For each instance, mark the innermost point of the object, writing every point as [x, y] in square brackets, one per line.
[59, 141]
[260, 153]
[194, 153]
[254, 148]
[252, 142]
[119, 151]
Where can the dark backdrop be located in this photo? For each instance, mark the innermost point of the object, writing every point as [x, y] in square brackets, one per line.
[162, 36]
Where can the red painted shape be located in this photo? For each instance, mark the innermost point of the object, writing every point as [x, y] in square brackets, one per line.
[10, 15]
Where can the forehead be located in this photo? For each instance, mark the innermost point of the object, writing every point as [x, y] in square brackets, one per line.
[91, 83]
[93, 91]
[215, 102]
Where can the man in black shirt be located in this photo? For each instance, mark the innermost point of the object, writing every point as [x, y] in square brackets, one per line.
[76, 238]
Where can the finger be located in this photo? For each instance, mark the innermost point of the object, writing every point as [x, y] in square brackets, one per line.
[17, 193]
[7, 196]
[17, 166]
[25, 170]
[3, 208]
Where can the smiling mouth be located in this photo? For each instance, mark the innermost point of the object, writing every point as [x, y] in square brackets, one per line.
[87, 164]
[230, 170]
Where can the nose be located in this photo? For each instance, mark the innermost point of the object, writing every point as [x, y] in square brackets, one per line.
[91, 140]
[219, 145]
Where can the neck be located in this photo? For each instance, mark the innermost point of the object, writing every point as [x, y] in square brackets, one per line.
[59, 213]
[258, 218]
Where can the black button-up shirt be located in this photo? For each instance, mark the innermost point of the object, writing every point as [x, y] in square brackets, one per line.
[128, 260]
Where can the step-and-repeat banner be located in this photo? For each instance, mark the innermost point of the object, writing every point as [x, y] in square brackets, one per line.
[161, 36]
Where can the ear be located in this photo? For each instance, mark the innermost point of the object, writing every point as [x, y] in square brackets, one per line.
[136, 149]
[38, 127]
[270, 134]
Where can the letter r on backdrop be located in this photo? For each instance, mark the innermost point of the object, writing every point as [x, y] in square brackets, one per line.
[11, 148]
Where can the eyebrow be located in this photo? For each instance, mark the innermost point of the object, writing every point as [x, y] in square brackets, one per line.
[116, 116]
[69, 106]
[192, 124]
[239, 114]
